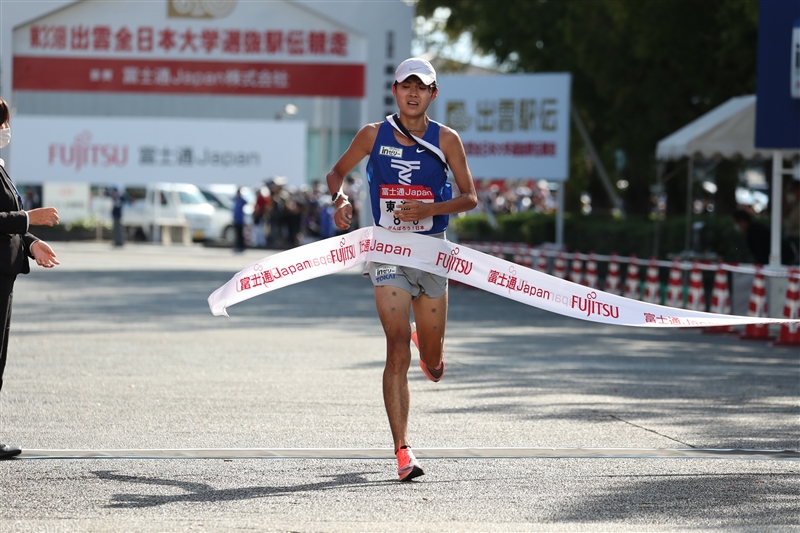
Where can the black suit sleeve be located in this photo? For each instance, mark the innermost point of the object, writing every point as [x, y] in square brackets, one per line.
[13, 222]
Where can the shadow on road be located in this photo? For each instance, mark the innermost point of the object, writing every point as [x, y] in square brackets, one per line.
[202, 492]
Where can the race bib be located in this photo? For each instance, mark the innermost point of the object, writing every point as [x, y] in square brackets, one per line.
[392, 196]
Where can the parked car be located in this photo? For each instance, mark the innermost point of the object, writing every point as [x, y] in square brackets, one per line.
[221, 197]
[168, 204]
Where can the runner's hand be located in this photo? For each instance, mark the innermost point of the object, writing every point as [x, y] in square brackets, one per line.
[343, 216]
[412, 210]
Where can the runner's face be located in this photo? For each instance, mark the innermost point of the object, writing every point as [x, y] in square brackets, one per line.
[413, 97]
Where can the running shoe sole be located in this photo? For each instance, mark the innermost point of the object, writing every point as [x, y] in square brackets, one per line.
[415, 472]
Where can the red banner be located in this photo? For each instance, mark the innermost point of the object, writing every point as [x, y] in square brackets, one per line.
[187, 77]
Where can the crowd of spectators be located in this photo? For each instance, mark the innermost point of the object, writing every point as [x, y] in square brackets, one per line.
[285, 216]
[514, 196]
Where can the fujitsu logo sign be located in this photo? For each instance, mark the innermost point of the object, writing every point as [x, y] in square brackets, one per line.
[83, 153]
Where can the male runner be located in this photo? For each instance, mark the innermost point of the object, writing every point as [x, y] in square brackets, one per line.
[409, 192]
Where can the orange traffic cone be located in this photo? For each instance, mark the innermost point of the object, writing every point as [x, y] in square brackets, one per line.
[590, 280]
[790, 333]
[576, 272]
[560, 267]
[652, 285]
[720, 300]
[612, 277]
[675, 286]
[632, 289]
[757, 308]
[696, 300]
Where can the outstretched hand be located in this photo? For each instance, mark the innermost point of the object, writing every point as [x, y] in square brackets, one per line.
[44, 255]
[43, 216]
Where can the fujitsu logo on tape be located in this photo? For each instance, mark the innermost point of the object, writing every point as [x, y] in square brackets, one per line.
[591, 306]
[343, 253]
[451, 263]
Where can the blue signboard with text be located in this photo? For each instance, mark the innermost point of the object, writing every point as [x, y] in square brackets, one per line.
[778, 82]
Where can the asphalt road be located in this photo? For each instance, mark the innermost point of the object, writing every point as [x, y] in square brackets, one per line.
[117, 350]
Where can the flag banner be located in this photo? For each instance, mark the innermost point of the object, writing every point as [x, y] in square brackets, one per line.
[462, 264]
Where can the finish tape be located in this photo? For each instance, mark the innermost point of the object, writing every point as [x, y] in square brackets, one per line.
[465, 265]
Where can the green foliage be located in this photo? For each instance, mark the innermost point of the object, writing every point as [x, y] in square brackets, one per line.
[88, 224]
[641, 69]
[606, 235]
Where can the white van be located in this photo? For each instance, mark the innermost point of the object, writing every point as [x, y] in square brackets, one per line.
[169, 205]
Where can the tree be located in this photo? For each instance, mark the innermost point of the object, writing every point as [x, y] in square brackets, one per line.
[641, 69]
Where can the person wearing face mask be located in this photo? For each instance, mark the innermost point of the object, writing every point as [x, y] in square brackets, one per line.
[16, 246]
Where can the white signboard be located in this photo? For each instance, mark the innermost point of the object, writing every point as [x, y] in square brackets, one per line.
[145, 150]
[71, 200]
[512, 126]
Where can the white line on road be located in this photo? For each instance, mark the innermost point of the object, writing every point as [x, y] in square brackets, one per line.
[421, 453]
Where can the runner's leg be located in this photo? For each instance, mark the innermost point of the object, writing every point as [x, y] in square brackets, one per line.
[430, 314]
[394, 306]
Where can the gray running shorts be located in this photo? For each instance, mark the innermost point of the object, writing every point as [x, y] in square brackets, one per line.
[412, 280]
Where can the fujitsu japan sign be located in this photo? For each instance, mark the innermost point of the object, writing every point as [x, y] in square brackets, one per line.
[261, 48]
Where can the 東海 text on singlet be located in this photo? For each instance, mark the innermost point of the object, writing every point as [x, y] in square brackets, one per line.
[397, 173]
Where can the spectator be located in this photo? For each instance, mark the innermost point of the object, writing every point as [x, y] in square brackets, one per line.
[238, 220]
[790, 244]
[756, 234]
[118, 200]
[261, 211]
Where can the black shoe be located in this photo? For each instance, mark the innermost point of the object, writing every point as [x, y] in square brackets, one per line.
[7, 452]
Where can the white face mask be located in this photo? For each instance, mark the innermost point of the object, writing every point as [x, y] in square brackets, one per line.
[5, 137]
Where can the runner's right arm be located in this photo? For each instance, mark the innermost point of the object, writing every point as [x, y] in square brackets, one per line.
[360, 148]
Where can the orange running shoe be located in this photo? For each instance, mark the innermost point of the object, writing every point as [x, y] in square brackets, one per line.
[407, 466]
[435, 374]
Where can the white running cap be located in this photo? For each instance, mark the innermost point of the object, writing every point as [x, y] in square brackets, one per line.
[415, 67]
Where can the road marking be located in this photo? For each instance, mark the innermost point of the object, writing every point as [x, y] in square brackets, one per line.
[421, 453]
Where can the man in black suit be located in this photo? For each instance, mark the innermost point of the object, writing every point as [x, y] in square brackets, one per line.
[16, 246]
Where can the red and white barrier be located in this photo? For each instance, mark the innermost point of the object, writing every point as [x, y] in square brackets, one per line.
[696, 299]
[590, 280]
[652, 283]
[757, 308]
[720, 300]
[632, 289]
[560, 266]
[790, 333]
[541, 262]
[612, 277]
[675, 286]
[576, 272]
